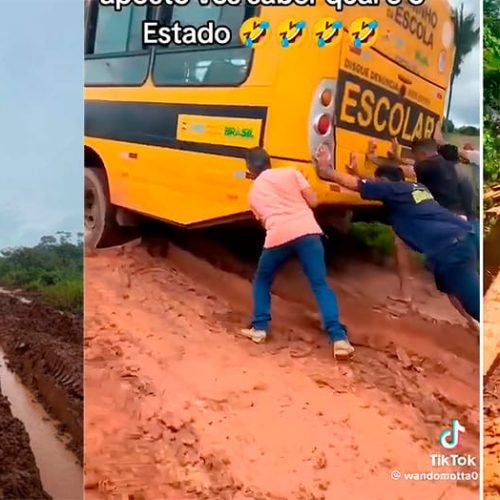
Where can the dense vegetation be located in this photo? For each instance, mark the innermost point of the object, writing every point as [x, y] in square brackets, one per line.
[491, 56]
[53, 269]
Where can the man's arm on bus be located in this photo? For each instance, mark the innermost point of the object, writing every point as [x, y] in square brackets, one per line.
[407, 165]
[393, 157]
[371, 154]
[438, 134]
[369, 189]
[322, 157]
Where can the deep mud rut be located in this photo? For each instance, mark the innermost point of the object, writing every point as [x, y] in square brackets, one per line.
[178, 407]
[19, 475]
[44, 349]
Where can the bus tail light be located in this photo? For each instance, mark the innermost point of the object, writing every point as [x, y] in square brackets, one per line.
[322, 116]
[326, 97]
[323, 124]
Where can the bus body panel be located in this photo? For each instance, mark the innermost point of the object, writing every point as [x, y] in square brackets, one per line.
[176, 153]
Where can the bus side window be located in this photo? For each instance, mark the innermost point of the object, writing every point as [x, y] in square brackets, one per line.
[226, 65]
[195, 15]
[114, 50]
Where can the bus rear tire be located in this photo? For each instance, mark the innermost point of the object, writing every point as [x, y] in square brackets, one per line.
[101, 228]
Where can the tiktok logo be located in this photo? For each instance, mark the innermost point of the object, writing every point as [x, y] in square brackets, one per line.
[449, 437]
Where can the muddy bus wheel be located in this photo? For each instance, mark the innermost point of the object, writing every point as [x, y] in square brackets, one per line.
[101, 229]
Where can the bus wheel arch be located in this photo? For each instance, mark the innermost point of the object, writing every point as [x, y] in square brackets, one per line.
[101, 228]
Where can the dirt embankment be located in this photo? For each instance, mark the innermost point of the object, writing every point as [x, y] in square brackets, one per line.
[19, 475]
[44, 348]
[492, 387]
[492, 255]
[492, 412]
[178, 407]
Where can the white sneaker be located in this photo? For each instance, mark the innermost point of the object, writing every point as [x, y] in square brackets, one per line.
[342, 349]
[257, 336]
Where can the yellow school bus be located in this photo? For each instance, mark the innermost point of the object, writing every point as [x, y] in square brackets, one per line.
[167, 126]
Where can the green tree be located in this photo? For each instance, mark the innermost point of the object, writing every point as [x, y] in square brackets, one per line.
[468, 130]
[449, 126]
[48, 241]
[52, 269]
[491, 119]
[466, 38]
[491, 9]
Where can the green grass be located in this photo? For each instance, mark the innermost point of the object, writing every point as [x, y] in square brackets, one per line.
[65, 295]
[374, 235]
[380, 239]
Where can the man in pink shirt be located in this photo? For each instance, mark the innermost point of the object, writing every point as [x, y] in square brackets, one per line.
[282, 200]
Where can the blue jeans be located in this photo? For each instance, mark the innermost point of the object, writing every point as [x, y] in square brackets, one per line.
[456, 273]
[310, 251]
[474, 222]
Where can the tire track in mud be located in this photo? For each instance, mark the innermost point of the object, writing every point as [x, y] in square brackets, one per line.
[193, 413]
[45, 349]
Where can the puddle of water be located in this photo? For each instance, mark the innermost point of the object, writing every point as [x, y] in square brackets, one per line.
[62, 477]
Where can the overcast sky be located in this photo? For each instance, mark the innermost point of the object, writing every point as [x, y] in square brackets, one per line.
[467, 89]
[41, 119]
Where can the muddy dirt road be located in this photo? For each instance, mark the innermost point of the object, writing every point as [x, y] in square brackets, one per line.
[492, 345]
[179, 407]
[492, 401]
[41, 378]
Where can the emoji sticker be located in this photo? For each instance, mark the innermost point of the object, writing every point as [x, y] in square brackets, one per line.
[291, 32]
[327, 31]
[254, 32]
[363, 32]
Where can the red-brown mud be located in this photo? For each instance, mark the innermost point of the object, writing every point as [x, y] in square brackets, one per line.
[179, 407]
[19, 475]
[492, 399]
[44, 348]
[492, 255]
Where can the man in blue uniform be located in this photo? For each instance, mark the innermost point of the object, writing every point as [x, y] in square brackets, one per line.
[446, 239]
